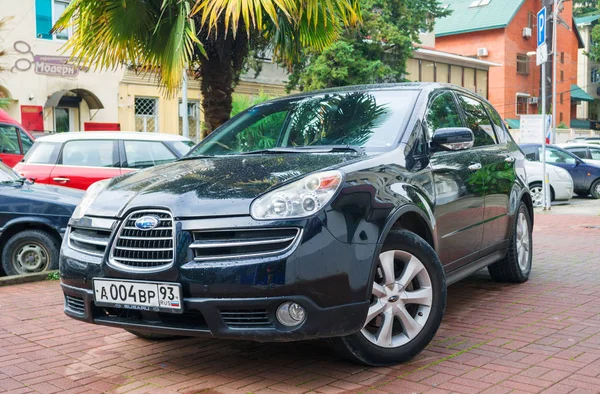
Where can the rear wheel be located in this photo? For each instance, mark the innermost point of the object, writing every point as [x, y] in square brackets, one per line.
[407, 304]
[537, 194]
[516, 266]
[30, 252]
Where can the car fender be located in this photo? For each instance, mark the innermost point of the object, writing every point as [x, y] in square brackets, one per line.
[37, 220]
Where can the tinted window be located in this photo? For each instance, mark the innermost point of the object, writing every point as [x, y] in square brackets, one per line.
[554, 156]
[478, 121]
[579, 152]
[443, 112]
[89, 153]
[497, 124]
[595, 153]
[25, 141]
[530, 152]
[43, 153]
[9, 142]
[181, 147]
[141, 154]
[369, 119]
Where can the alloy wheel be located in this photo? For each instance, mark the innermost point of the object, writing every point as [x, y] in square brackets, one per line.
[597, 189]
[523, 242]
[30, 258]
[401, 300]
[537, 196]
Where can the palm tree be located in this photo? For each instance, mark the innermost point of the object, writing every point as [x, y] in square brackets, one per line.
[215, 37]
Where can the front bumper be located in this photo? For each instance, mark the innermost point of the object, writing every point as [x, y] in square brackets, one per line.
[563, 190]
[329, 278]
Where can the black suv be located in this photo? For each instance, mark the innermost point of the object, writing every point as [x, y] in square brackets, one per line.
[338, 214]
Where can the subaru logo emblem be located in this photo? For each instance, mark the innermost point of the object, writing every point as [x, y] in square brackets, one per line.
[147, 222]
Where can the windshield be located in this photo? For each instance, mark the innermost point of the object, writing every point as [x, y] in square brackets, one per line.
[7, 174]
[182, 147]
[371, 120]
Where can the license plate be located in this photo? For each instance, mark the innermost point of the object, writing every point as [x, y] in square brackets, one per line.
[146, 296]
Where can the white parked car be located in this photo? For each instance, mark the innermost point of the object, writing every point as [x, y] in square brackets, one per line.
[561, 183]
[590, 153]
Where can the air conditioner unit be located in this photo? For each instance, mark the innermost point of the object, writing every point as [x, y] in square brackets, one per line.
[527, 32]
[482, 52]
[533, 100]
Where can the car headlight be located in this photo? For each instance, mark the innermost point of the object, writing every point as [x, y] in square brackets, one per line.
[299, 199]
[88, 198]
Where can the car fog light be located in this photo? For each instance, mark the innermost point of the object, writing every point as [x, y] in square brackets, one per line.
[290, 314]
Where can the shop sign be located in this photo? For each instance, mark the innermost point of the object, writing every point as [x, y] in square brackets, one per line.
[57, 66]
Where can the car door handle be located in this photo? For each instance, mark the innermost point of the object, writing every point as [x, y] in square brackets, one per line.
[61, 180]
[510, 159]
[474, 167]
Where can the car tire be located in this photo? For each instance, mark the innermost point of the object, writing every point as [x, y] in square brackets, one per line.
[386, 338]
[537, 194]
[595, 189]
[30, 252]
[152, 336]
[516, 266]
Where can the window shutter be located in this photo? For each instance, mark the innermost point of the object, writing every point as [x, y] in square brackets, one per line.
[43, 19]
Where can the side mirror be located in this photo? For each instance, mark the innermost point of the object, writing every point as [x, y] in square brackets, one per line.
[452, 139]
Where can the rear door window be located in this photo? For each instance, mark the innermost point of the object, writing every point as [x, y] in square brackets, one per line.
[579, 152]
[142, 154]
[478, 121]
[554, 156]
[594, 153]
[501, 133]
[9, 140]
[89, 153]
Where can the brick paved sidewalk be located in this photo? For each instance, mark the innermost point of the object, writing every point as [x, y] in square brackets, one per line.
[540, 336]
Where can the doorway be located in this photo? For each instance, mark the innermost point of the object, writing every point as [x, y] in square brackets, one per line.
[64, 120]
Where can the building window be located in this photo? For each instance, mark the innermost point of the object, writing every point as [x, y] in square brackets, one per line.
[561, 98]
[47, 13]
[562, 76]
[58, 8]
[193, 119]
[522, 64]
[146, 114]
[561, 117]
[562, 58]
[595, 75]
[522, 105]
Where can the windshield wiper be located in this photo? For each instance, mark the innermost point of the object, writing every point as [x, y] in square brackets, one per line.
[195, 157]
[13, 181]
[307, 149]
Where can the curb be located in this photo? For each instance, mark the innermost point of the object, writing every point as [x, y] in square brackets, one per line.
[18, 279]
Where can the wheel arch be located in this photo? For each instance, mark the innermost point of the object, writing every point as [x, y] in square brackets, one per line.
[526, 198]
[21, 224]
[412, 218]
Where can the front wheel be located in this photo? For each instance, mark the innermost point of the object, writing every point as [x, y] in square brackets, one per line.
[595, 190]
[407, 304]
[30, 252]
[516, 266]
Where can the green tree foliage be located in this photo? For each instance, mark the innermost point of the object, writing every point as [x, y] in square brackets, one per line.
[214, 37]
[4, 101]
[584, 7]
[375, 52]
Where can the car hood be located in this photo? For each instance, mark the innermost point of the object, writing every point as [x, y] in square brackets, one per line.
[205, 187]
[54, 195]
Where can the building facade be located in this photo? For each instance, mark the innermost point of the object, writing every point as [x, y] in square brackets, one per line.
[504, 32]
[48, 93]
[588, 75]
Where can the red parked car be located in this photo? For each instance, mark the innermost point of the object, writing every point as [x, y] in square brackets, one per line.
[79, 159]
[15, 141]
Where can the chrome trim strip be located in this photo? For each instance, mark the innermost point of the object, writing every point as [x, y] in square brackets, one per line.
[142, 261]
[142, 249]
[75, 248]
[217, 244]
[115, 263]
[90, 241]
[292, 246]
[152, 229]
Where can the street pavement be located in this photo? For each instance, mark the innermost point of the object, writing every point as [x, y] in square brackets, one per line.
[541, 336]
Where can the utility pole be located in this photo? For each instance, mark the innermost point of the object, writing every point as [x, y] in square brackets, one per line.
[183, 111]
[541, 60]
[554, 61]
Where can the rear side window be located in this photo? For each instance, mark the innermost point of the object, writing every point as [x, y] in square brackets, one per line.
[478, 121]
[497, 124]
[181, 147]
[595, 153]
[9, 142]
[443, 112]
[43, 153]
[89, 153]
[142, 154]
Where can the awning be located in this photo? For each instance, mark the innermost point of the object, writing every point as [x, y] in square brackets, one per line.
[90, 98]
[578, 94]
[513, 123]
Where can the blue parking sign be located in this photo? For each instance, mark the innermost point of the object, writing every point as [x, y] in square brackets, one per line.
[541, 27]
